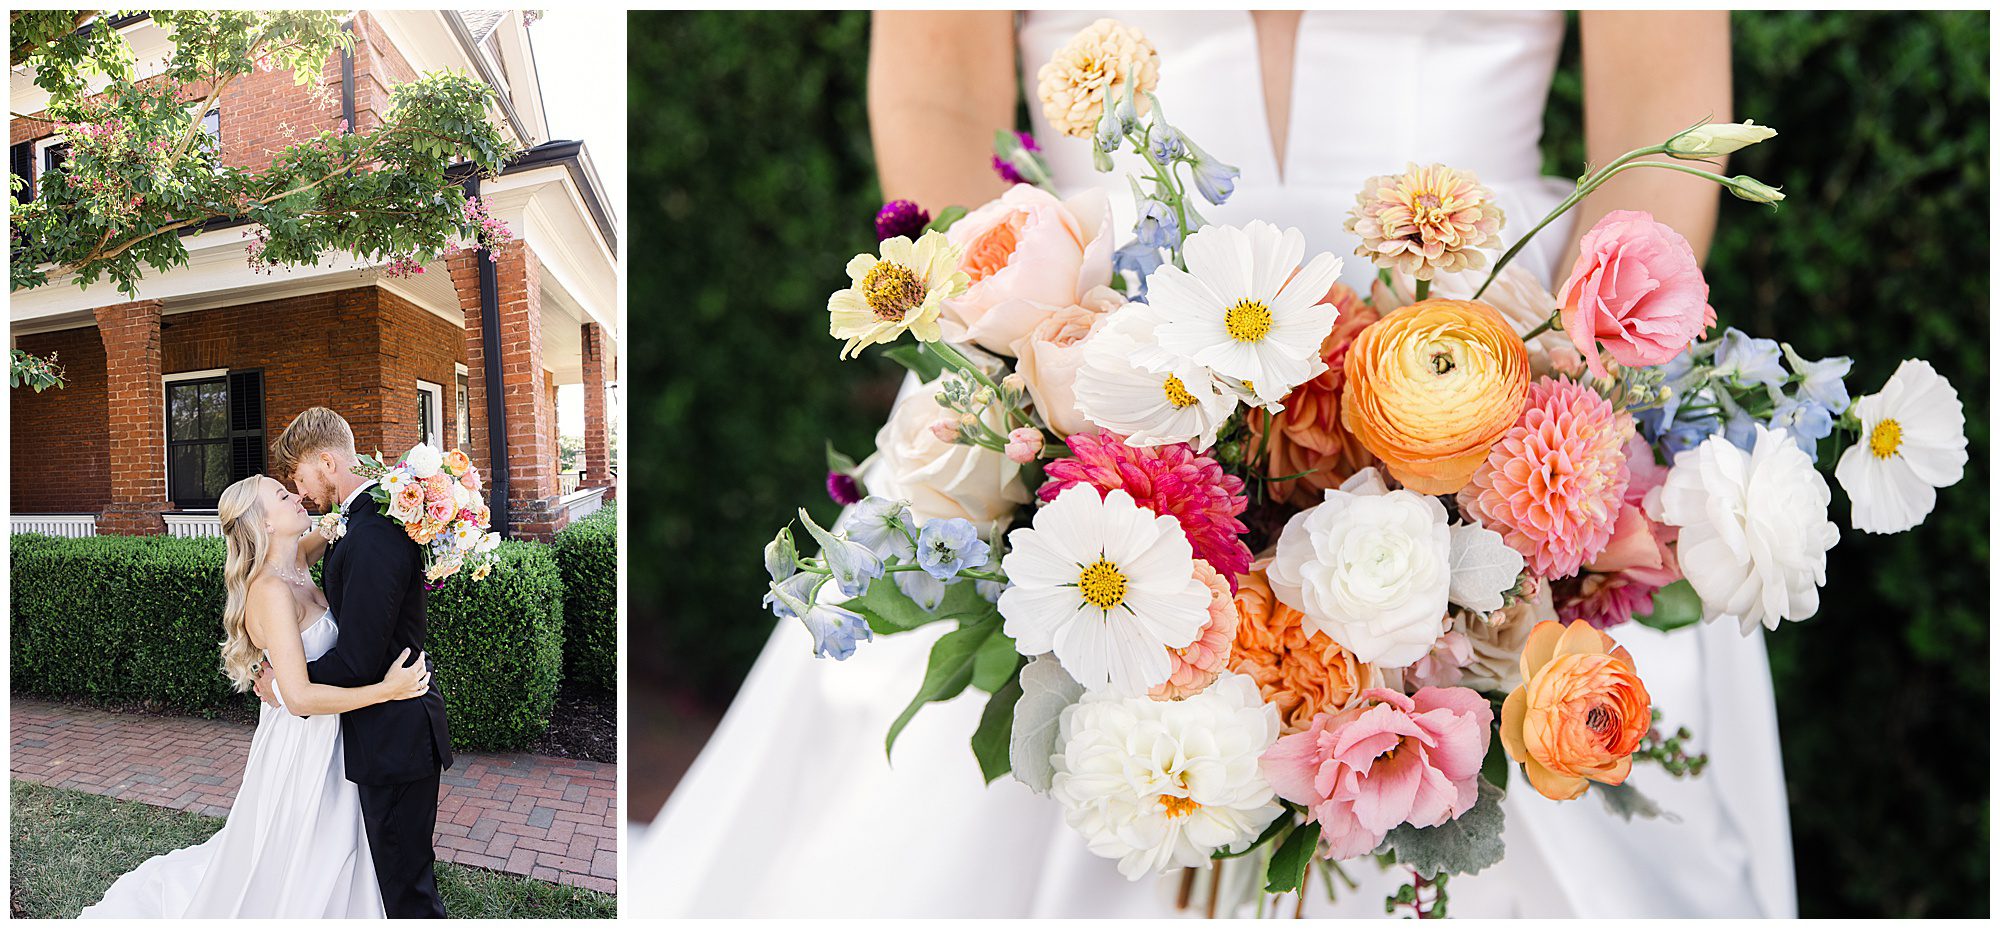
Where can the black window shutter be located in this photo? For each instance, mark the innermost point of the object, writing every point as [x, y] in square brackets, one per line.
[24, 168]
[246, 424]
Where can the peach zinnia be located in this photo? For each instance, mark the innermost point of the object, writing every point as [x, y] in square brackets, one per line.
[1425, 221]
[1580, 712]
[1431, 387]
[1310, 439]
[1299, 674]
[1554, 485]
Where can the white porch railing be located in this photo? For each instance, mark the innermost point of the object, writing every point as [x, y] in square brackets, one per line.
[68, 526]
[192, 525]
[567, 481]
[584, 502]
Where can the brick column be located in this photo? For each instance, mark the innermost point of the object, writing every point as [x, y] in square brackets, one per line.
[599, 366]
[136, 418]
[533, 501]
[464, 266]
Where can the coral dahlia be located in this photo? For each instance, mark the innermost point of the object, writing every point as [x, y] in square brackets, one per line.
[1554, 483]
[1170, 480]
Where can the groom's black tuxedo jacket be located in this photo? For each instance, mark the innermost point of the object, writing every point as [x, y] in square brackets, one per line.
[375, 585]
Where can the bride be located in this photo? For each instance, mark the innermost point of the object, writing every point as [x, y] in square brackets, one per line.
[293, 845]
[795, 778]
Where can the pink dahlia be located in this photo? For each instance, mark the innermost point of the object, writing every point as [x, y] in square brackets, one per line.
[1201, 662]
[1605, 600]
[1170, 480]
[1554, 484]
[1398, 759]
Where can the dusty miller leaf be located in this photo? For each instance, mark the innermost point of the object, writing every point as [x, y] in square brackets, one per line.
[1046, 689]
[1626, 801]
[1466, 845]
[1483, 567]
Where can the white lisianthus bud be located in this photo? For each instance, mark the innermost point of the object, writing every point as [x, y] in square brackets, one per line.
[1754, 190]
[1717, 139]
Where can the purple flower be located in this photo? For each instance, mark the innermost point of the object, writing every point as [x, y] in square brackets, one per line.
[900, 218]
[1005, 168]
[842, 488]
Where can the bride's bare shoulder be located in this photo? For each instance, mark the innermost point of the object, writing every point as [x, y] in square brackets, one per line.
[269, 609]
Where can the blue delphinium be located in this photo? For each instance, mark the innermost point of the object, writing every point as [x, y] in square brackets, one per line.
[1823, 381]
[1215, 180]
[1167, 144]
[1139, 260]
[835, 630]
[1744, 361]
[1157, 227]
[923, 590]
[1806, 420]
[787, 597]
[884, 525]
[948, 545]
[853, 564]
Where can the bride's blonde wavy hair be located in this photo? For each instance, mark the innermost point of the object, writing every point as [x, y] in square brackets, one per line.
[239, 509]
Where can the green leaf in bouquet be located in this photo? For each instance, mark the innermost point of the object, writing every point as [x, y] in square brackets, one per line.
[1626, 801]
[1046, 690]
[949, 671]
[889, 610]
[835, 461]
[945, 218]
[1466, 845]
[1288, 863]
[995, 665]
[925, 364]
[996, 727]
[1674, 606]
[1497, 765]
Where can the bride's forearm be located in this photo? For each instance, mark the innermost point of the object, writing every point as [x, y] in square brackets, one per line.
[326, 699]
[1646, 76]
[939, 85]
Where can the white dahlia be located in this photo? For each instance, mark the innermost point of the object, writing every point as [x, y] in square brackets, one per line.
[1106, 585]
[1245, 309]
[1912, 443]
[1754, 533]
[1163, 784]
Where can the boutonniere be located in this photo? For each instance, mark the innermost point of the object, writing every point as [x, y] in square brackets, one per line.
[435, 497]
[333, 526]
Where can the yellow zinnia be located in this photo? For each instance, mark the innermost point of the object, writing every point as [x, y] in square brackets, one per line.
[1431, 387]
[904, 288]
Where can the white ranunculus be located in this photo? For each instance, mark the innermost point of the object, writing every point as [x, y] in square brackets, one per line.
[1912, 442]
[942, 480]
[1370, 568]
[424, 461]
[1754, 533]
[1163, 784]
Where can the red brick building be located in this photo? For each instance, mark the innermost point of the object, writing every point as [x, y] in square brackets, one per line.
[176, 392]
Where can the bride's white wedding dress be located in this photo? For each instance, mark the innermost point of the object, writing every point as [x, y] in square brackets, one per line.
[792, 808]
[293, 846]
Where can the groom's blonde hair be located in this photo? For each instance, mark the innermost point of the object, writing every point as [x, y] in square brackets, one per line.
[315, 429]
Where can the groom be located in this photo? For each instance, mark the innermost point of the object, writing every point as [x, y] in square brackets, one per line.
[374, 579]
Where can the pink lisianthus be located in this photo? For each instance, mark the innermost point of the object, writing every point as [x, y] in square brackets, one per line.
[1636, 288]
[1028, 254]
[1203, 660]
[1401, 759]
[1445, 665]
[1170, 480]
[1024, 445]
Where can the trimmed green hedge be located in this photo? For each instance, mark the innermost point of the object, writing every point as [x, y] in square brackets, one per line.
[587, 554]
[119, 619]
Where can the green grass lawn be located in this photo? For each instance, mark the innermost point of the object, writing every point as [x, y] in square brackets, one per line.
[69, 846]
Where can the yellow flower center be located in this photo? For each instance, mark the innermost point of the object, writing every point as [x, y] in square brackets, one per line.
[892, 291]
[1247, 321]
[1178, 807]
[1886, 438]
[1102, 584]
[1177, 393]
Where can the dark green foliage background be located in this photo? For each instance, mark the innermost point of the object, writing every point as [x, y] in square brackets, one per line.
[752, 185]
[118, 619]
[587, 554]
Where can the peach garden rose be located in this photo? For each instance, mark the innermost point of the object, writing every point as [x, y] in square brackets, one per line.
[1580, 712]
[1052, 352]
[1430, 388]
[1026, 255]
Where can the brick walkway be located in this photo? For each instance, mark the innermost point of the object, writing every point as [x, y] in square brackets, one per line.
[554, 819]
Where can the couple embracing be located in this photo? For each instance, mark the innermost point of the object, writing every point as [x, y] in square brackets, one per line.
[339, 797]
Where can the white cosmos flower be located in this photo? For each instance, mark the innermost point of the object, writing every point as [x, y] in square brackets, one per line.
[1240, 310]
[1106, 585]
[1754, 532]
[1161, 784]
[1130, 385]
[1370, 568]
[1913, 442]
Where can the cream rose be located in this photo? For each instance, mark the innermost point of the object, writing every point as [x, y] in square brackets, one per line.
[941, 480]
[1051, 353]
[1497, 639]
[1028, 255]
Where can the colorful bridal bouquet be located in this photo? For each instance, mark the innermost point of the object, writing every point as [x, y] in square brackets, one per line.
[1296, 573]
[435, 497]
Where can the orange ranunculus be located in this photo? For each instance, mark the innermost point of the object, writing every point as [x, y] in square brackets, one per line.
[1580, 712]
[1431, 387]
[1310, 436]
[1302, 676]
[456, 463]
